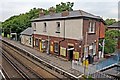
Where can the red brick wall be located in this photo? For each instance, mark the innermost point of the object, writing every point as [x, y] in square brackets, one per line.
[102, 30]
[64, 43]
[91, 37]
[119, 43]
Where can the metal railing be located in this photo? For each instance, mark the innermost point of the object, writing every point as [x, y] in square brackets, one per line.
[108, 62]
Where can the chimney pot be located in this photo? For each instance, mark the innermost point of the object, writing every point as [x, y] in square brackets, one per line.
[65, 13]
[41, 13]
[51, 11]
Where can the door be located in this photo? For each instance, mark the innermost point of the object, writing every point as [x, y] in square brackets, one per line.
[40, 46]
[70, 53]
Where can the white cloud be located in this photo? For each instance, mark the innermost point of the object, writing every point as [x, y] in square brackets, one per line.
[105, 8]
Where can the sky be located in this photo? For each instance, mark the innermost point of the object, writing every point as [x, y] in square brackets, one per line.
[104, 8]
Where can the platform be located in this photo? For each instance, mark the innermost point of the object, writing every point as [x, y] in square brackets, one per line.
[58, 62]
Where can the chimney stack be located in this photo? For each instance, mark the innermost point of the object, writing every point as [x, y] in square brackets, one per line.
[65, 13]
[42, 13]
[51, 11]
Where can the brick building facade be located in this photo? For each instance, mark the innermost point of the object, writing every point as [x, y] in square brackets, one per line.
[68, 34]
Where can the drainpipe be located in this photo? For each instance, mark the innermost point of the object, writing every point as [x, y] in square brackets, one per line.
[63, 38]
[103, 48]
[33, 40]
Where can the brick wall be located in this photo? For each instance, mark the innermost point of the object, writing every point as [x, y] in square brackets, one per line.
[64, 44]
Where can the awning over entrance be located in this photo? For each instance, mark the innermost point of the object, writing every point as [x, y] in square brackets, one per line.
[70, 49]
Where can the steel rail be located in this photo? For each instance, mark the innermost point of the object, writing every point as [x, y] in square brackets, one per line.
[17, 51]
[44, 62]
[20, 72]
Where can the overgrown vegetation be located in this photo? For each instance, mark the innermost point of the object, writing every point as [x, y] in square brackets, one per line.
[21, 22]
[111, 37]
[110, 21]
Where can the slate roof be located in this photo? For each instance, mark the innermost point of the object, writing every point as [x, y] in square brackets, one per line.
[72, 14]
[28, 31]
[115, 25]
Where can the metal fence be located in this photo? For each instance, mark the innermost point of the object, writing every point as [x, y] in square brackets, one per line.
[92, 70]
[108, 62]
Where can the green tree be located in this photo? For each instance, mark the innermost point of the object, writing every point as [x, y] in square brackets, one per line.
[111, 40]
[64, 6]
[110, 21]
[20, 22]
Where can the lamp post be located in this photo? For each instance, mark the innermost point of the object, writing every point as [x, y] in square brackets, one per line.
[85, 53]
[103, 48]
[48, 46]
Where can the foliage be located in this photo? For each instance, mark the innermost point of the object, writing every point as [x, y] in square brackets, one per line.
[111, 40]
[87, 77]
[64, 6]
[20, 22]
[110, 21]
[0, 24]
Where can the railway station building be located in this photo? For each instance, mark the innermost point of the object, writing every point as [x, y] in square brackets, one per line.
[72, 35]
[26, 37]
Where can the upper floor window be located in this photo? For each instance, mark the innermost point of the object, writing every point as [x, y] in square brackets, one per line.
[34, 26]
[92, 27]
[45, 27]
[58, 27]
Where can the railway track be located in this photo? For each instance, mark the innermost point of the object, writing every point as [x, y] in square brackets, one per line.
[10, 70]
[35, 68]
[4, 74]
[21, 69]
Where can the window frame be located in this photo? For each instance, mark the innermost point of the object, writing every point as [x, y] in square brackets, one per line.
[56, 47]
[45, 27]
[92, 26]
[36, 42]
[43, 43]
[30, 41]
[34, 26]
[58, 27]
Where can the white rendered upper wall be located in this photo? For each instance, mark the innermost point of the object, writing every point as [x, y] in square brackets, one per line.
[73, 28]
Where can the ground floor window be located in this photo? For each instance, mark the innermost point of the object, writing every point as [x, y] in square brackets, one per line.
[43, 44]
[56, 47]
[63, 51]
[30, 40]
[36, 42]
[92, 49]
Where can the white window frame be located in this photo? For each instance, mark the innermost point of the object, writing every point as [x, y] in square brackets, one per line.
[36, 42]
[92, 26]
[43, 44]
[34, 26]
[56, 47]
[58, 27]
[94, 48]
[30, 40]
[45, 27]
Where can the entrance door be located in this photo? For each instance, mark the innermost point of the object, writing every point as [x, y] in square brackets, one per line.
[70, 53]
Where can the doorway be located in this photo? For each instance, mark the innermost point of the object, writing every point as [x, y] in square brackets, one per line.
[70, 53]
